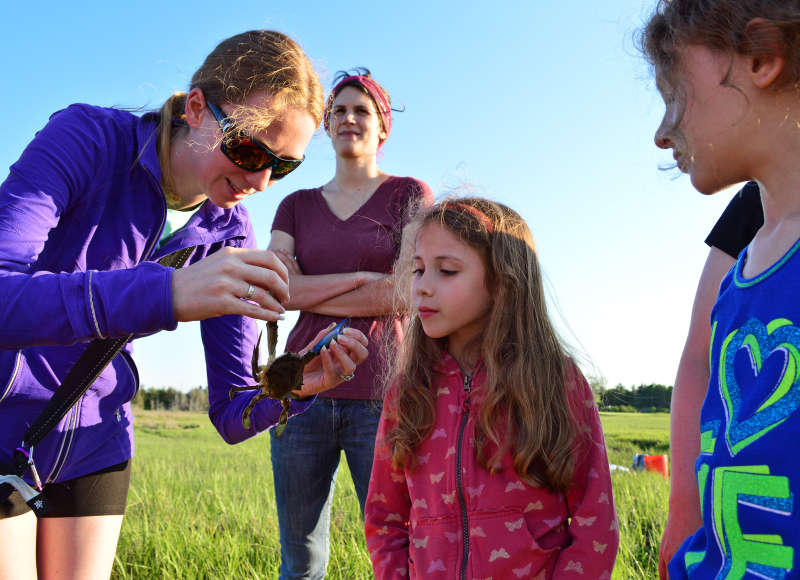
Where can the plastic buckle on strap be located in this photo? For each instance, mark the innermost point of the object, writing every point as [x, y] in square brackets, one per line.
[23, 460]
[33, 498]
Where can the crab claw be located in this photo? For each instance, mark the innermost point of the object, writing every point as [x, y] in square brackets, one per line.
[254, 360]
[279, 429]
[272, 339]
[284, 418]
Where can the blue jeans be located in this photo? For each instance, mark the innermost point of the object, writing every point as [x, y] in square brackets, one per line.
[304, 463]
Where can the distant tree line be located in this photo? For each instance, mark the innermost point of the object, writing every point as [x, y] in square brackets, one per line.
[171, 399]
[651, 398]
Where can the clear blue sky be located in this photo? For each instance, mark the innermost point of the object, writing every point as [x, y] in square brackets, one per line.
[548, 109]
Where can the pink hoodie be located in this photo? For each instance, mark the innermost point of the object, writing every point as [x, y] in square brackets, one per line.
[431, 523]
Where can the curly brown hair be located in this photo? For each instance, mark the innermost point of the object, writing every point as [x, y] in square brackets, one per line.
[749, 27]
[746, 27]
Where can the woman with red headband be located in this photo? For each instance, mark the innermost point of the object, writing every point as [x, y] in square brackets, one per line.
[339, 242]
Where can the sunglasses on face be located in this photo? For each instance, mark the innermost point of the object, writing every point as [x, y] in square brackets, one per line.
[248, 153]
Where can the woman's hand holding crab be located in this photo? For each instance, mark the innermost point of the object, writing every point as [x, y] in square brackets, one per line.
[338, 360]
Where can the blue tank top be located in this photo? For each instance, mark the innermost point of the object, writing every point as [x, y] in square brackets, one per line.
[748, 470]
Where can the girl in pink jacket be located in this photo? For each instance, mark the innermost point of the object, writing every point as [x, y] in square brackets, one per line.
[490, 460]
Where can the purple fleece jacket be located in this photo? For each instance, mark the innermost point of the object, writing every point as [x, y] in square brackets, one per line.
[80, 214]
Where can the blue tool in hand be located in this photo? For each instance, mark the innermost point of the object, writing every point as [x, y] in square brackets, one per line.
[282, 375]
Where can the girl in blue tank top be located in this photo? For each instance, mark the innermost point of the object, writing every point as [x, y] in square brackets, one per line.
[729, 73]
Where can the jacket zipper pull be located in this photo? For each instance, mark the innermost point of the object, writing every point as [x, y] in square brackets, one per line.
[467, 389]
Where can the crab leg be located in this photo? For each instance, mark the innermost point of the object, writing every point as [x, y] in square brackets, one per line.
[254, 363]
[284, 418]
[254, 359]
[233, 390]
[272, 339]
[249, 409]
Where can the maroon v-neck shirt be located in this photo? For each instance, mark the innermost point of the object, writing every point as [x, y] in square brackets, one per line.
[369, 240]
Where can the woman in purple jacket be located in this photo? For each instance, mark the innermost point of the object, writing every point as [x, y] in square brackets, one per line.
[96, 198]
[339, 242]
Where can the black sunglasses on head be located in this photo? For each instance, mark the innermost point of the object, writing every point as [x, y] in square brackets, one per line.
[246, 152]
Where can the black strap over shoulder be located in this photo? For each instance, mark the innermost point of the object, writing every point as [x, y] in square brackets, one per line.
[91, 363]
[78, 380]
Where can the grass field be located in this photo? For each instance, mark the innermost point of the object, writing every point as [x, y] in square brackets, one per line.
[199, 508]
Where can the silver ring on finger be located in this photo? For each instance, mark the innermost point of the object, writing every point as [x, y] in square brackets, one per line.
[251, 290]
[347, 377]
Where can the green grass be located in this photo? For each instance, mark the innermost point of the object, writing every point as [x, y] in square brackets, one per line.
[199, 508]
[641, 498]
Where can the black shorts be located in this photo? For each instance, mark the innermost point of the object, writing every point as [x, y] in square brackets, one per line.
[102, 493]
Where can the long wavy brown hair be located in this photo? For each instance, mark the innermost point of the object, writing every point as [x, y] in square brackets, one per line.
[523, 404]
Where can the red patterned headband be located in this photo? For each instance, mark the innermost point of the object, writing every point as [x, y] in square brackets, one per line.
[374, 90]
[474, 211]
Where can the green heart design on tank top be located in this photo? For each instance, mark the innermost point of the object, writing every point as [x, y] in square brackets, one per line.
[783, 400]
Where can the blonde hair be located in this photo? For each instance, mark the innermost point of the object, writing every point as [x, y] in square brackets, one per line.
[523, 405]
[253, 61]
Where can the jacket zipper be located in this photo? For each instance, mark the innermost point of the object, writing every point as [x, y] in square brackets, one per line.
[66, 443]
[459, 483]
[148, 254]
[13, 378]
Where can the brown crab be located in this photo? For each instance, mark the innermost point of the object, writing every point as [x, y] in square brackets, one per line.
[282, 375]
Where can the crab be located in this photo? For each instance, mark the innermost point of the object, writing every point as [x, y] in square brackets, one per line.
[282, 375]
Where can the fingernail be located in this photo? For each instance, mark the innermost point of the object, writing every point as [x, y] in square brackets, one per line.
[281, 317]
